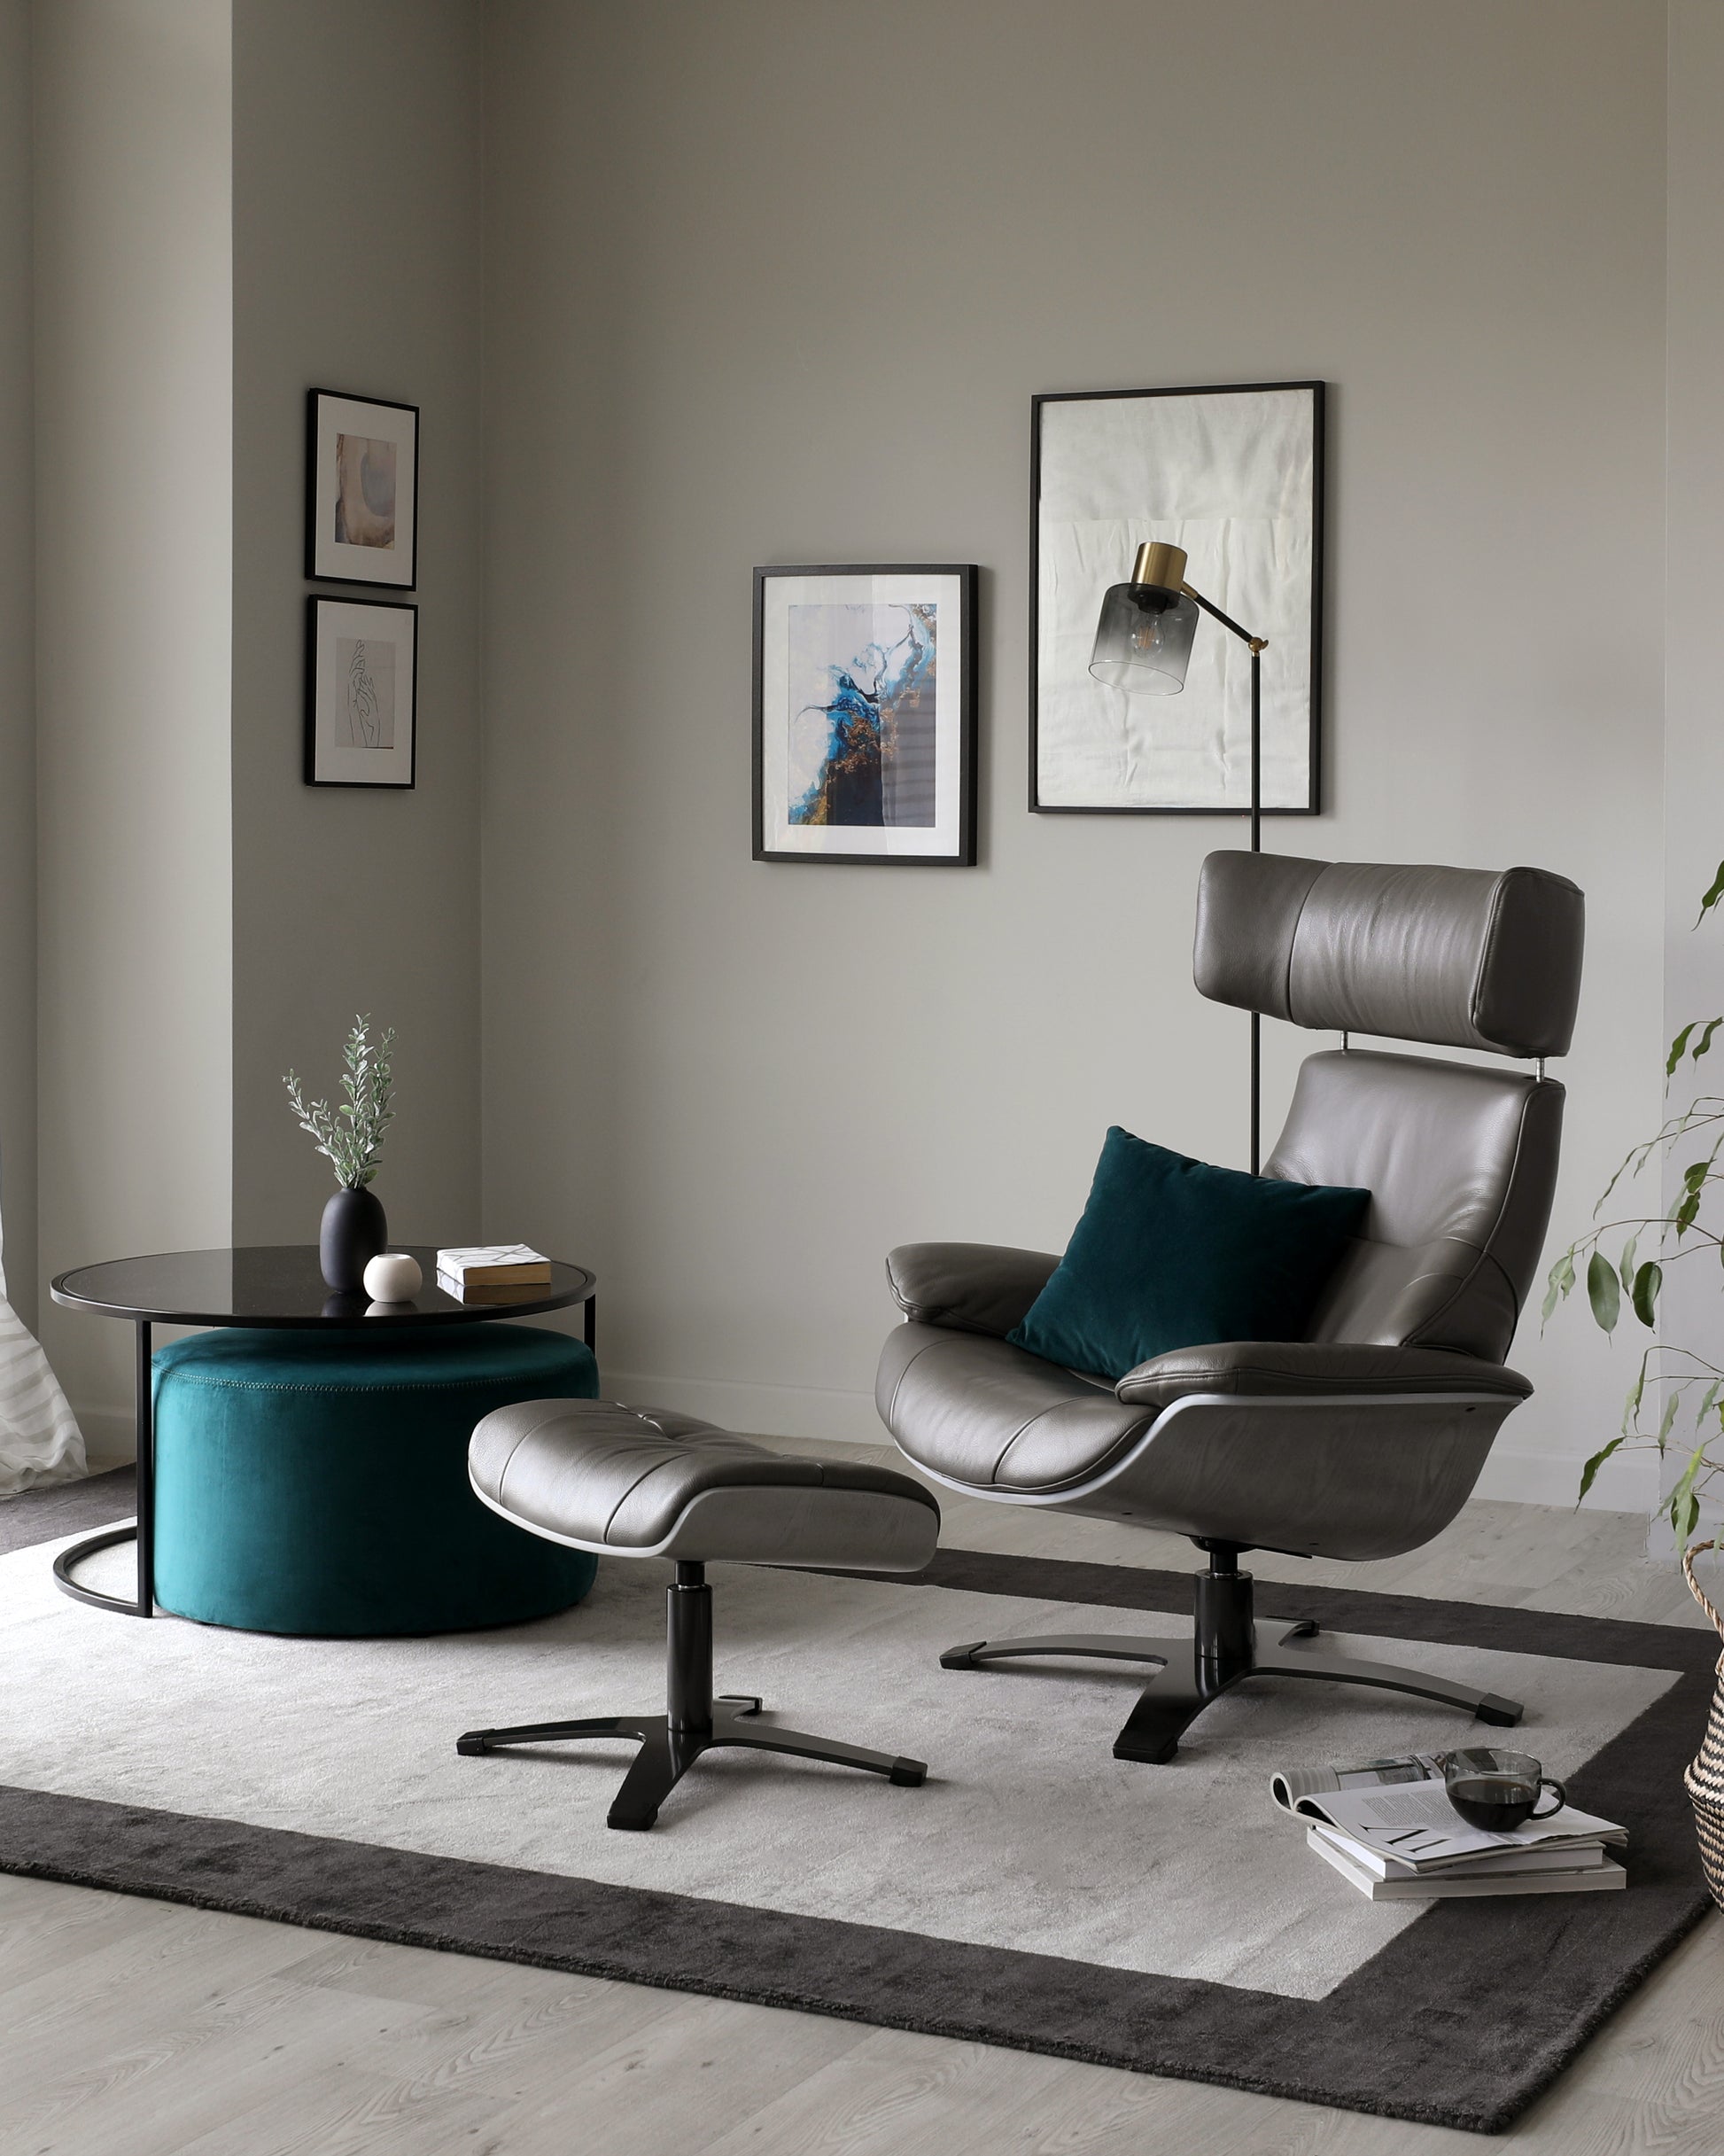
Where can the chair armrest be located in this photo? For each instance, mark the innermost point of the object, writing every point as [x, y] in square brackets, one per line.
[967, 1287]
[1293, 1368]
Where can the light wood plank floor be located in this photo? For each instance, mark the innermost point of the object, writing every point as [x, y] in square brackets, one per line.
[133, 2029]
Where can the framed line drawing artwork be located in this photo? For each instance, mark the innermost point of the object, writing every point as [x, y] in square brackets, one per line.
[1234, 476]
[361, 490]
[361, 688]
[864, 706]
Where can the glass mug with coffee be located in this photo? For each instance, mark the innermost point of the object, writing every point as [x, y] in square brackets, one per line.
[1498, 1790]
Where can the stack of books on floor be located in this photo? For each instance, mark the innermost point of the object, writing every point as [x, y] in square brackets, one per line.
[1388, 1828]
[492, 1273]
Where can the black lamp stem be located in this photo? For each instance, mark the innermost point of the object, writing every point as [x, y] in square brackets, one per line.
[1256, 847]
[1256, 644]
[1256, 752]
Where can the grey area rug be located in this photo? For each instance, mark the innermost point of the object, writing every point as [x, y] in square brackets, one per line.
[1460, 2019]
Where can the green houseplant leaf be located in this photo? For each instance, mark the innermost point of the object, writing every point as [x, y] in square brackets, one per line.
[1684, 1507]
[1604, 1291]
[1590, 1472]
[1692, 1384]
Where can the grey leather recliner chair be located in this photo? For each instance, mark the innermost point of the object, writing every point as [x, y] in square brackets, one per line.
[1365, 1440]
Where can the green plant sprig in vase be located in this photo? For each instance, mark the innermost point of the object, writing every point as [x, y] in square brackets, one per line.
[350, 1137]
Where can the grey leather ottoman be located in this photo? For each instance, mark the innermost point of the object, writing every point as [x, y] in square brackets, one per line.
[635, 1482]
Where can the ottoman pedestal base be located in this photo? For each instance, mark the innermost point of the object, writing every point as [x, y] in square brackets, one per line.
[693, 1721]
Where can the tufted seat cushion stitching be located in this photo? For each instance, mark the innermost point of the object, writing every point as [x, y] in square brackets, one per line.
[646, 1474]
[502, 1475]
[1292, 943]
[1091, 1467]
[502, 1478]
[1478, 968]
[1010, 1441]
[1474, 996]
[1487, 1253]
[653, 1422]
[897, 1385]
[1023, 1431]
[603, 1475]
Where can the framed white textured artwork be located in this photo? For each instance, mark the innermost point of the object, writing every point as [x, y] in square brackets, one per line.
[865, 714]
[361, 682]
[1233, 476]
[361, 489]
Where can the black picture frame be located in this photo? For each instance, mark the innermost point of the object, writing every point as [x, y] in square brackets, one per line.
[1313, 803]
[327, 561]
[318, 767]
[962, 852]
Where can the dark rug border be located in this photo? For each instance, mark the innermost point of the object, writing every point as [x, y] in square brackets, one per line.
[1400, 2037]
[45, 1514]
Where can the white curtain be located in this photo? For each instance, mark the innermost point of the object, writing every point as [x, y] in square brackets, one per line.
[40, 1440]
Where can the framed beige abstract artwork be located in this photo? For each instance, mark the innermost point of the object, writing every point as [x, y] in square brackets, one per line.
[361, 489]
[1233, 476]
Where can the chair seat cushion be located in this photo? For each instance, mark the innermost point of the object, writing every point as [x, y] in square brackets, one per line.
[648, 1483]
[990, 1417]
[1171, 1253]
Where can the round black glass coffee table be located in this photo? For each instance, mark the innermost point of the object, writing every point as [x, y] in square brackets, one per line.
[276, 1287]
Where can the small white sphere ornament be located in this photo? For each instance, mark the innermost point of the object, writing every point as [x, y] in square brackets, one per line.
[393, 1276]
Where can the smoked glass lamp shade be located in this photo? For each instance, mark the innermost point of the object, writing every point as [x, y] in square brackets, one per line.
[1143, 640]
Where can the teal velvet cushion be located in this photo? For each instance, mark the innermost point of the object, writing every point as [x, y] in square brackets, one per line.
[315, 1482]
[1173, 1254]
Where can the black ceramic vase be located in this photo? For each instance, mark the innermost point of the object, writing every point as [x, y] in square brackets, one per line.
[353, 1232]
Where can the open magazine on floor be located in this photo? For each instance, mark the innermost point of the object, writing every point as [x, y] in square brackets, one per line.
[1391, 1819]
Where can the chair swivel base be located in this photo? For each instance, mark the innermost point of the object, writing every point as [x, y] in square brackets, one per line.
[1220, 1653]
[694, 1722]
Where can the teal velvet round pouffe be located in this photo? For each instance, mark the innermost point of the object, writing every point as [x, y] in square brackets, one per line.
[315, 1482]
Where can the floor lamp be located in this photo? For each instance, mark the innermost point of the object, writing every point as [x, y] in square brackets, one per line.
[1143, 646]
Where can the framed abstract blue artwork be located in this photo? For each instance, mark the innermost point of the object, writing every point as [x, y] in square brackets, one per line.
[865, 714]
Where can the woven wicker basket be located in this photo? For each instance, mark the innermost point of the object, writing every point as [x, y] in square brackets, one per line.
[1704, 1780]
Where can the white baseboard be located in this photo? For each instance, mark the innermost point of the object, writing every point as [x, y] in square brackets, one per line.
[763, 1411]
[110, 1439]
[1623, 1484]
[771, 1411]
[1630, 1485]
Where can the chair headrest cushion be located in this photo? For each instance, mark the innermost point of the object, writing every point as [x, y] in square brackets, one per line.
[1461, 958]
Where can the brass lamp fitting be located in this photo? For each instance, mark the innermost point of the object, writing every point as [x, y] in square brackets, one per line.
[1159, 565]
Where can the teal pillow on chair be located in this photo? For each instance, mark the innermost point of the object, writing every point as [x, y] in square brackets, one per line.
[1173, 1254]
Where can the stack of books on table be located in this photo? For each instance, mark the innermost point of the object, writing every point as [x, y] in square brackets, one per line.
[1388, 1828]
[491, 1273]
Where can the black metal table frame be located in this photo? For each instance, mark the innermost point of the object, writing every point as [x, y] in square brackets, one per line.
[142, 1529]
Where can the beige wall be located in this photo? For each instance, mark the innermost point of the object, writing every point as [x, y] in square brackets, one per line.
[777, 283]
[18, 756]
[356, 269]
[134, 364]
[1694, 808]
